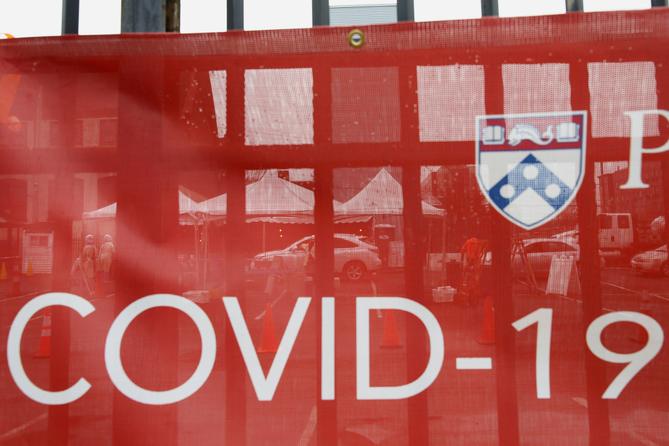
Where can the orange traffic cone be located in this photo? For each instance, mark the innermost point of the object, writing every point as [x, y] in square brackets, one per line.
[391, 338]
[268, 343]
[487, 335]
[44, 346]
[3, 271]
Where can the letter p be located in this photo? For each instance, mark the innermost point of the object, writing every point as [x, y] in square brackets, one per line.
[637, 150]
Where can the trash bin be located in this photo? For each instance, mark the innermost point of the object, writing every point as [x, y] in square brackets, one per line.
[383, 235]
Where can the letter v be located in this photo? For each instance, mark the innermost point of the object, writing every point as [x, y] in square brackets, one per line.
[265, 386]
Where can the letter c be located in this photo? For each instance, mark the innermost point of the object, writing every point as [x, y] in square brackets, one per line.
[78, 304]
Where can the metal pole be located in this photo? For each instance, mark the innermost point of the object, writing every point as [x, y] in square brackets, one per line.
[172, 16]
[508, 429]
[598, 411]
[595, 372]
[235, 396]
[235, 14]
[62, 215]
[489, 8]
[58, 421]
[326, 428]
[70, 17]
[320, 12]
[414, 254]
[143, 16]
[148, 210]
[405, 11]
[418, 425]
[141, 180]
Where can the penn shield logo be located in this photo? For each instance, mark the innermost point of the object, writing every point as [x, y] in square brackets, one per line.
[530, 166]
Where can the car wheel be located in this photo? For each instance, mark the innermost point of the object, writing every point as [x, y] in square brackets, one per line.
[664, 269]
[354, 271]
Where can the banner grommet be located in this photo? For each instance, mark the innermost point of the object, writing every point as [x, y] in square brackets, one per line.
[356, 38]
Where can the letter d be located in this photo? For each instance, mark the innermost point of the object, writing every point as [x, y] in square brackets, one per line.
[435, 360]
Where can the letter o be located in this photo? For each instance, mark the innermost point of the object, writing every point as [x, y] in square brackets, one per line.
[113, 350]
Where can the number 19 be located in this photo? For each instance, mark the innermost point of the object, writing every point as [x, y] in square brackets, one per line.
[635, 361]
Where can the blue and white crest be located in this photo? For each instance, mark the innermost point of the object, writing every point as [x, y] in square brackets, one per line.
[530, 166]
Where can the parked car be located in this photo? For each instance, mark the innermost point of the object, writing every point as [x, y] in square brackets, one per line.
[540, 252]
[571, 235]
[353, 257]
[604, 255]
[651, 262]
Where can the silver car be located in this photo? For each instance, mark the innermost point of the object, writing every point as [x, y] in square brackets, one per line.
[540, 253]
[652, 262]
[353, 257]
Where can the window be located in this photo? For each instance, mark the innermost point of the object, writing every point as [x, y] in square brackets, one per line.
[271, 14]
[341, 243]
[97, 17]
[559, 247]
[352, 12]
[428, 10]
[108, 131]
[612, 5]
[536, 248]
[201, 16]
[279, 106]
[605, 222]
[510, 8]
[41, 241]
[31, 18]
[542, 247]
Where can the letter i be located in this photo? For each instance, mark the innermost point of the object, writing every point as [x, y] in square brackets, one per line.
[327, 348]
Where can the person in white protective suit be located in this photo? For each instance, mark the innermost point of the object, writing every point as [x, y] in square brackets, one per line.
[106, 257]
[84, 267]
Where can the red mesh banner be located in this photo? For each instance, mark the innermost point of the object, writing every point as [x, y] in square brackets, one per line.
[452, 234]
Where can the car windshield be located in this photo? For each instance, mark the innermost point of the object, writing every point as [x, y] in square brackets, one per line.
[548, 246]
[298, 243]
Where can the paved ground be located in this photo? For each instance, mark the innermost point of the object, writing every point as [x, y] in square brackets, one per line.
[462, 403]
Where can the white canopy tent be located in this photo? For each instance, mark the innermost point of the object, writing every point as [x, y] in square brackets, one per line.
[108, 211]
[270, 195]
[187, 206]
[381, 196]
